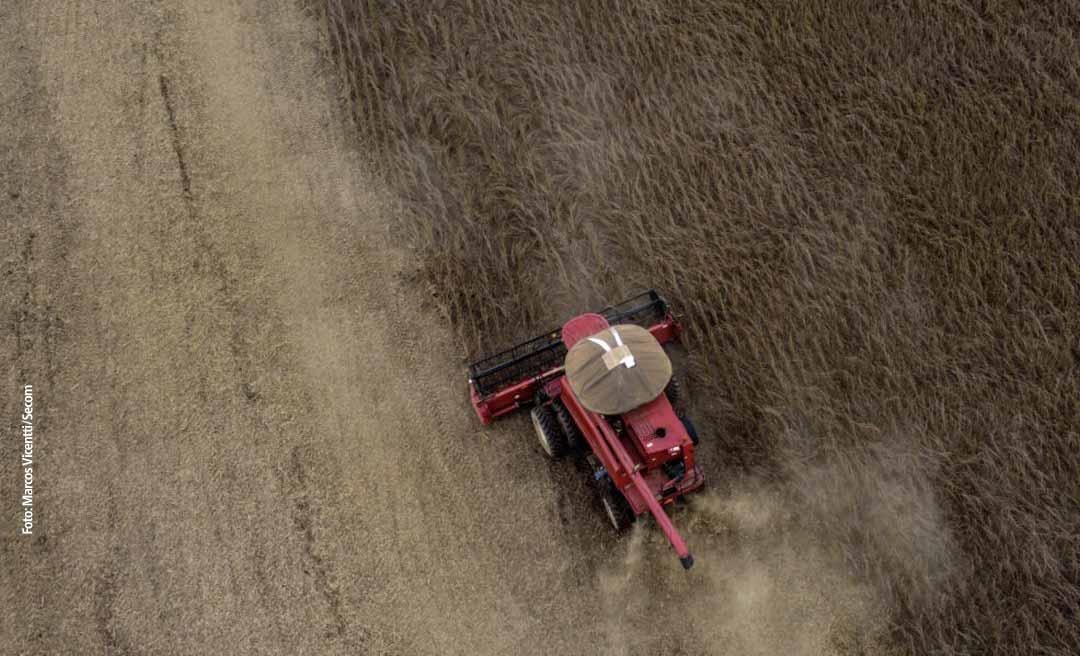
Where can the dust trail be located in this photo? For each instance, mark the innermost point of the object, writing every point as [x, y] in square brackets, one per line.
[877, 505]
[764, 583]
[769, 587]
[617, 586]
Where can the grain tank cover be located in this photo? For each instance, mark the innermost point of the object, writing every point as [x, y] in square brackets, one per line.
[617, 369]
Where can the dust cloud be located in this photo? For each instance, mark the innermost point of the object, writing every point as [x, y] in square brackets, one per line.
[781, 566]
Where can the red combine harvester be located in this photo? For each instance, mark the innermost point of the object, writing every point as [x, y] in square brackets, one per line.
[604, 383]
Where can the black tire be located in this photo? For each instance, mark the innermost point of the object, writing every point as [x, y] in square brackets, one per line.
[690, 430]
[574, 439]
[550, 436]
[673, 392]
[616, 508]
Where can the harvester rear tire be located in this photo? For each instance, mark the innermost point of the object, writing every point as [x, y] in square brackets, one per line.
[550, 436]
[574, 438]
[616, 508]
[690, 430]
[673, 391]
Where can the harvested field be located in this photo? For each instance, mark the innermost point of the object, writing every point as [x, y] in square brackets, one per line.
[868, 215]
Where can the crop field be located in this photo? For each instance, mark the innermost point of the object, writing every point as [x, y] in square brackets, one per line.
[868, 215]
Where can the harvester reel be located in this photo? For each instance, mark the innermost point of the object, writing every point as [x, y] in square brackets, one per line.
[552, 440]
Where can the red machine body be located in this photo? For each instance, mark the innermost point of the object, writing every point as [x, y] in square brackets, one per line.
[646, 453]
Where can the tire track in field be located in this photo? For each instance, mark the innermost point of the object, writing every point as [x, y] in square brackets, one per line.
[305, 516]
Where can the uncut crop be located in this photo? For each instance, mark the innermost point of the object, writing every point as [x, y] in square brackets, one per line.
[867, 214]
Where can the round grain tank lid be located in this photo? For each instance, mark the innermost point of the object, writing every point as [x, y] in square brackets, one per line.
[617, 369]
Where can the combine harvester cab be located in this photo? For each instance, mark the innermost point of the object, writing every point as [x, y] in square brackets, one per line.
[602, 386]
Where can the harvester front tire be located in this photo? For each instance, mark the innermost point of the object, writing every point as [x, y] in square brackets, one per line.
[551, 438]
[574, 438]
[616, 508]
